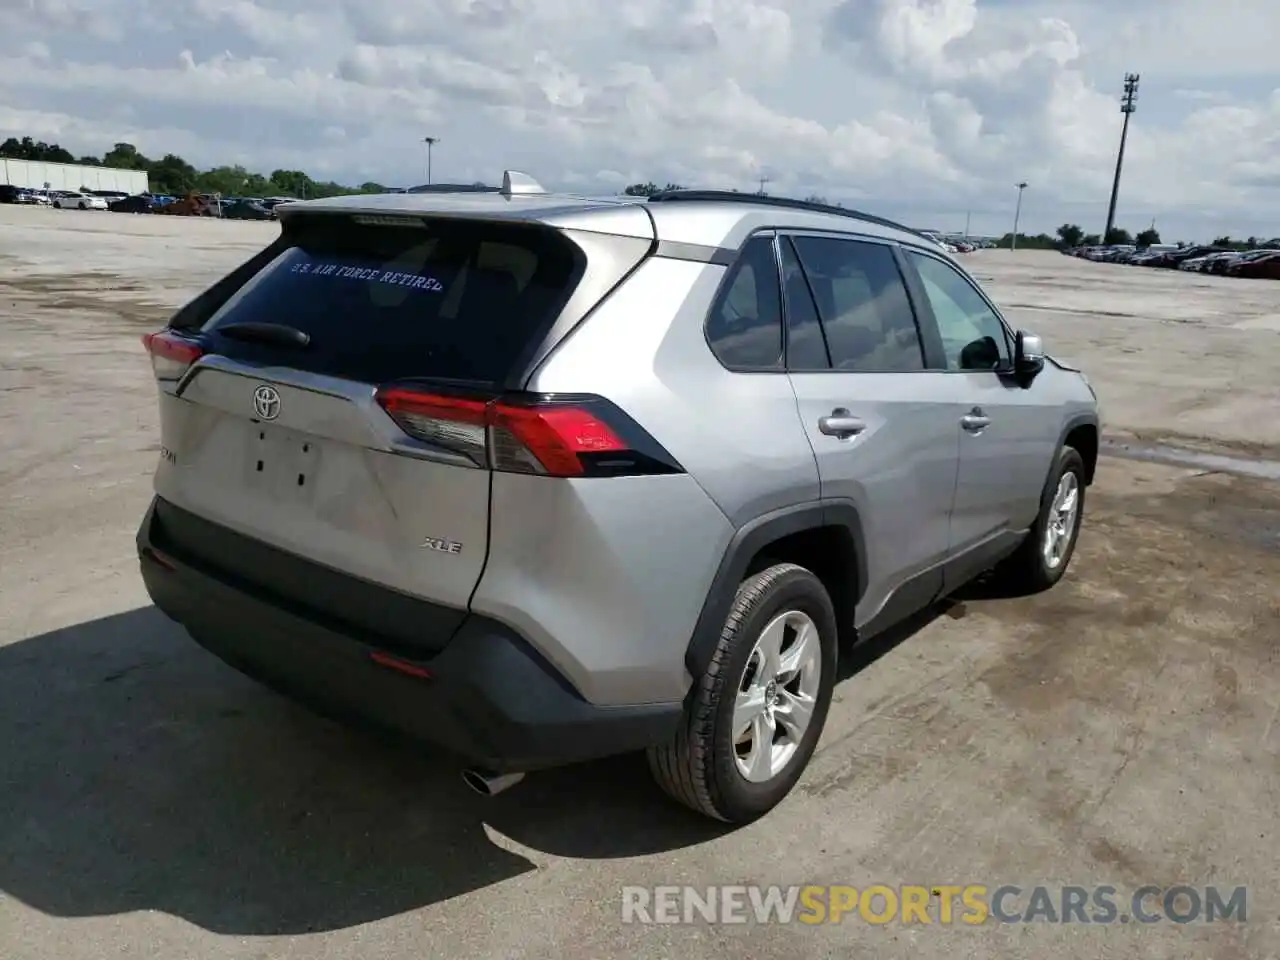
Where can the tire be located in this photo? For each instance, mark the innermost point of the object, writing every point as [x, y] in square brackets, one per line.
[1031, 569]
[82, 206]
[701, 767]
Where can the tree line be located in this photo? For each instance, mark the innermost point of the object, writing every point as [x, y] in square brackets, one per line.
[172, 175]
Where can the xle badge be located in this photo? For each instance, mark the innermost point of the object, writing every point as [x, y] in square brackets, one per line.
[442, 546]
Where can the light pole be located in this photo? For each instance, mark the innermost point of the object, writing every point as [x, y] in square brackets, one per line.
[430, 142]
[1128, 104]
[1017, 215]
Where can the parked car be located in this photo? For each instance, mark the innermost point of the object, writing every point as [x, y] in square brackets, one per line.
[14, 194]
[496, 530]
[134, 204]
[1171, 258]
[247, 210]
[1221, 265]
[75, 200]
[1259, 268]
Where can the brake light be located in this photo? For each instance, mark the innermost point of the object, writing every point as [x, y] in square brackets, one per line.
[171, 354]
[558, 437]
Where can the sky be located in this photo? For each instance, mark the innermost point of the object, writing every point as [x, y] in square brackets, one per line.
[929, 111]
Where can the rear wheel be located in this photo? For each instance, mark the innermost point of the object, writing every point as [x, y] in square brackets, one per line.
[755, 717]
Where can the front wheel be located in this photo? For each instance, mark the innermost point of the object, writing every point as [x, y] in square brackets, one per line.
[755, 717]
[1042, 559]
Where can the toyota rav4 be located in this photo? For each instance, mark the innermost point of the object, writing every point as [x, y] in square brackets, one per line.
[541, 479]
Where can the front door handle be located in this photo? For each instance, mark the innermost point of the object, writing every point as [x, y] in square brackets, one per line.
[842, 424]
[974, 422]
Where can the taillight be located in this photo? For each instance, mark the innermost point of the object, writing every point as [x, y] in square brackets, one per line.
[171, 354]
[576, 436]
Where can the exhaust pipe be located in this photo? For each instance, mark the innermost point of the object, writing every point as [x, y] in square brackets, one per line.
[490, 784]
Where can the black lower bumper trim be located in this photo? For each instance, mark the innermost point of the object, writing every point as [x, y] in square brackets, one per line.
[491, 700]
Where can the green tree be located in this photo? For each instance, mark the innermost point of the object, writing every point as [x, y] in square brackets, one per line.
[1041, 241]
[256, 185]
[1071, 235]
[292, 183]
[649, 189]
[172, 175]
[125, 156]
[1091, 240]
[1147, 237]
[1118, 237]
[228, 181]
[29, 149]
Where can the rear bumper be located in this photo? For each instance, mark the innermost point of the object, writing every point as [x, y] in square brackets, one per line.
[490, 700]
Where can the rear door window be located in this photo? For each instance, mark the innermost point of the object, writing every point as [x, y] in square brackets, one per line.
[456, 301]
[863, 304]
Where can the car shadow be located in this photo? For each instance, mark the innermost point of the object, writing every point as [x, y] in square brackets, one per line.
[137, 772]
[862, 654]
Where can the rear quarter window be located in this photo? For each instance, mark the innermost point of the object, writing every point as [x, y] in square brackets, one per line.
[456, 301]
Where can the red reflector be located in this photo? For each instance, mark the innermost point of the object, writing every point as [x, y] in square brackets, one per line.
[161, 559]
[403, 666]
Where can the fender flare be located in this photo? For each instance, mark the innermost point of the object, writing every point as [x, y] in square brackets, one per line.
[1072, 422]
[746, 542]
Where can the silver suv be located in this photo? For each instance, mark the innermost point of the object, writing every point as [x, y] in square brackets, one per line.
[541, 479]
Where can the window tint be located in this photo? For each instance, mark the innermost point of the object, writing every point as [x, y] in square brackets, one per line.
[806, 346]
[862, 301]
[745, 325]
[459, 301]
[972, 335]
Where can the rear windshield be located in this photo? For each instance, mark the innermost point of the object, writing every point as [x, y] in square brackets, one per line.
[450, 300]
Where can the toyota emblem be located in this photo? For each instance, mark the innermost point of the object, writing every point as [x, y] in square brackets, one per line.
[266, 402]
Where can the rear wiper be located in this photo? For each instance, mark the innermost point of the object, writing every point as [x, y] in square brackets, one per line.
[274, 333]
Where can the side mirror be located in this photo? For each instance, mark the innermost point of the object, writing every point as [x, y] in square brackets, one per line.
[1028, 356]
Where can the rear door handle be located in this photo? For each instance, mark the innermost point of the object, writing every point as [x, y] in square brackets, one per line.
[973, 422]
[842, 424]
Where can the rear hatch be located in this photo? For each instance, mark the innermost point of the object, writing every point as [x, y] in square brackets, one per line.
[296, 444]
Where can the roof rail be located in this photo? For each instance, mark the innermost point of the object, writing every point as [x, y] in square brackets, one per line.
[785, 202]
[515, 183]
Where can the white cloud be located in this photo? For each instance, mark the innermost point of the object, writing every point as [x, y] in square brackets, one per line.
[923, 109]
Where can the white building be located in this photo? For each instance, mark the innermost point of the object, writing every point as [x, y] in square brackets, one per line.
[37, 174]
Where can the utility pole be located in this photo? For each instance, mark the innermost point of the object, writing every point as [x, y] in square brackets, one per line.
[1017, 215]
[430, 142]
[968, 214]
[763, 181]
[1128, 104]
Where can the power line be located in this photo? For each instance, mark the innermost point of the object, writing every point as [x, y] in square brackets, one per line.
[1128, 104]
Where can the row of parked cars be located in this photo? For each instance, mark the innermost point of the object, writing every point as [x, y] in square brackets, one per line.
[201, 205]
[1262, 263]
[235, 208]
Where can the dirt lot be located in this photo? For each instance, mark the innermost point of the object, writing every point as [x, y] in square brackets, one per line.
[1120, 730]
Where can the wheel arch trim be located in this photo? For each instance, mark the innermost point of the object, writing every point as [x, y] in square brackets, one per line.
[746, 543]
